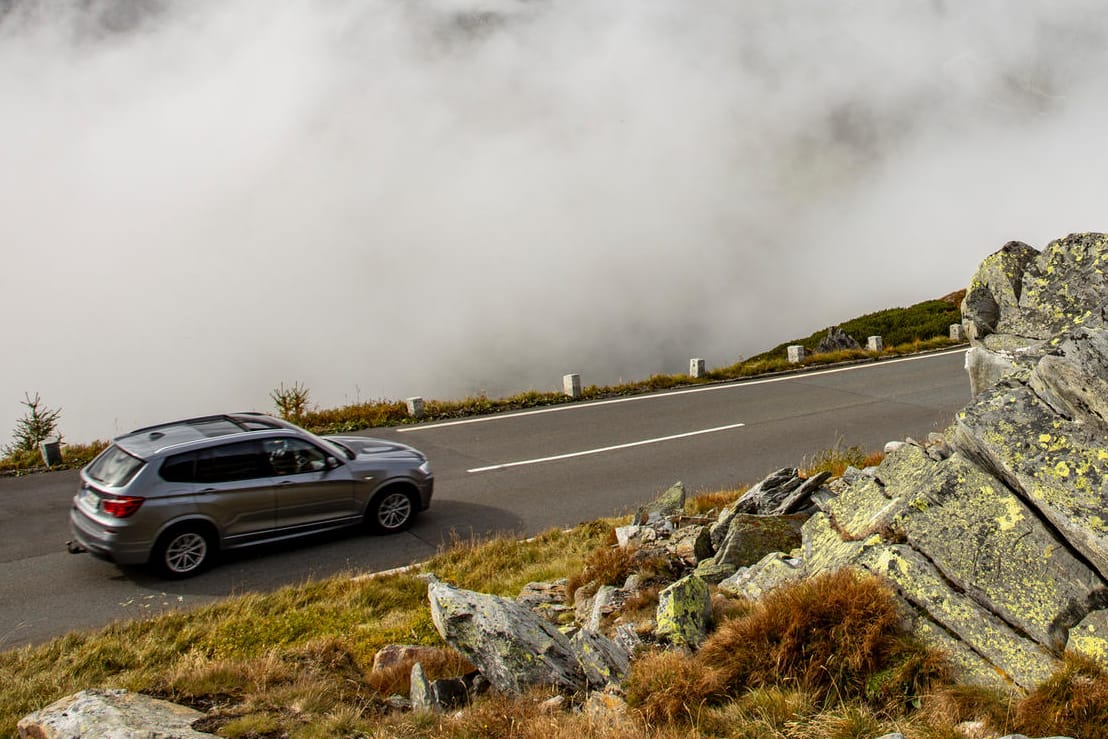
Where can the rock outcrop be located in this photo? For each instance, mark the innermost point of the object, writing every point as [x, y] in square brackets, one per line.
[999, 544]
[837, 340]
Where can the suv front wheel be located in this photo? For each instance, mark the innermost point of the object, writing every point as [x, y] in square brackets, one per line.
[183, 552]
[391, 510]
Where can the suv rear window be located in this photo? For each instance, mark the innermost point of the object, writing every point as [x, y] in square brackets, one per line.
[114, 467]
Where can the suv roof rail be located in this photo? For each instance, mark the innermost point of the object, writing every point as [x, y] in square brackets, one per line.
[191, 422]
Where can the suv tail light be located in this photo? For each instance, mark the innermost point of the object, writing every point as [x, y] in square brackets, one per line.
[122, 506]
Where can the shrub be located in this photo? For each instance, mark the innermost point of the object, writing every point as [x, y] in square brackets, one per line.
[38, 424]
[291, 402]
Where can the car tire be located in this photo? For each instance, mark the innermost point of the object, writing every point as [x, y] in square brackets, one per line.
[391, 510]
[183, 551]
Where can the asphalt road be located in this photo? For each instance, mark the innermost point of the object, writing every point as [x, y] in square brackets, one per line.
[520, 473]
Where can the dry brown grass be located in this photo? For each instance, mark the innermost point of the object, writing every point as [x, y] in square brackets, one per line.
[827, 635]
[669, 687]
[611, 565]
[713, 501]
[836, 459]
[437, 663]
[1073, 702]
[836, 637]
[607, 566]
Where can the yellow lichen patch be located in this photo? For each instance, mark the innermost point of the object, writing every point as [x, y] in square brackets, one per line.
[1012, 516]
[1062, 469]
[1044, 439]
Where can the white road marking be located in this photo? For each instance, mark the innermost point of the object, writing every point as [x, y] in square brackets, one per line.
[722, 385]
[604, 449]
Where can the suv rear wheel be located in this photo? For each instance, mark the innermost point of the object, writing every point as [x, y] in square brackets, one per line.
[183, 552]
[392, 509]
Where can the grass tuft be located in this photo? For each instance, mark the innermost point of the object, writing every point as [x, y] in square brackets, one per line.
[1073, 701]
[836, 460]
[827, 635]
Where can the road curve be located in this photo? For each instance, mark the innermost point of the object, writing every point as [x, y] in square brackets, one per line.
[520, 473]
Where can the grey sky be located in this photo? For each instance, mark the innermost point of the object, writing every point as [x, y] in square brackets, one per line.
[387, 198]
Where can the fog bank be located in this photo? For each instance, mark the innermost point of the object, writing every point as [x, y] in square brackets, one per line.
[386, 198]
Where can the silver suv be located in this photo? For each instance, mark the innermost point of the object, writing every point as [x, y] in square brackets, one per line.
[175, 494]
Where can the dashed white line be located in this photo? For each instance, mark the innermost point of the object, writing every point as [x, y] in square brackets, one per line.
[601, 450]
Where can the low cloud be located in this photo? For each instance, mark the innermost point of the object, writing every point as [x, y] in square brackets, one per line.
[439, 197]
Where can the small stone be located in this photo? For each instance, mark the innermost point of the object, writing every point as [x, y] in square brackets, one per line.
[553, 705]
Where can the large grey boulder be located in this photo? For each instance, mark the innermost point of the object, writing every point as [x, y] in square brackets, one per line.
[515, 649]
[511, 646]
[111, 714]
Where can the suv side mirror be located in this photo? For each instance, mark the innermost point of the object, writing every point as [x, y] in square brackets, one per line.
[332, 463]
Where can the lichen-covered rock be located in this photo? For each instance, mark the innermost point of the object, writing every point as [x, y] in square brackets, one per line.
[996, 288]
[773, 570]
[684, 612]
[603, 660]
[1074, 380]
[801, 498]
[601, 604]
[748, 539]
[1020, 659]
[763, 498]
[1021, 293]
[420, 695]
[109, 714]
[548, 600]
[995, 533]
[511, 646]
[1090, 637]
[990, 545]
[1059, 466]
[987, 368]
[669, 503]
[692, 544]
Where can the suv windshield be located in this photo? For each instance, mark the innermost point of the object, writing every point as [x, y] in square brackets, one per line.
[114, 467]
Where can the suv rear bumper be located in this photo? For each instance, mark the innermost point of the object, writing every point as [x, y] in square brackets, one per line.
[103, 542]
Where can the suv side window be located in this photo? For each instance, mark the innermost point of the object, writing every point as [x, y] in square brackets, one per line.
[293, 456]
[179, 468]
[240, 461]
